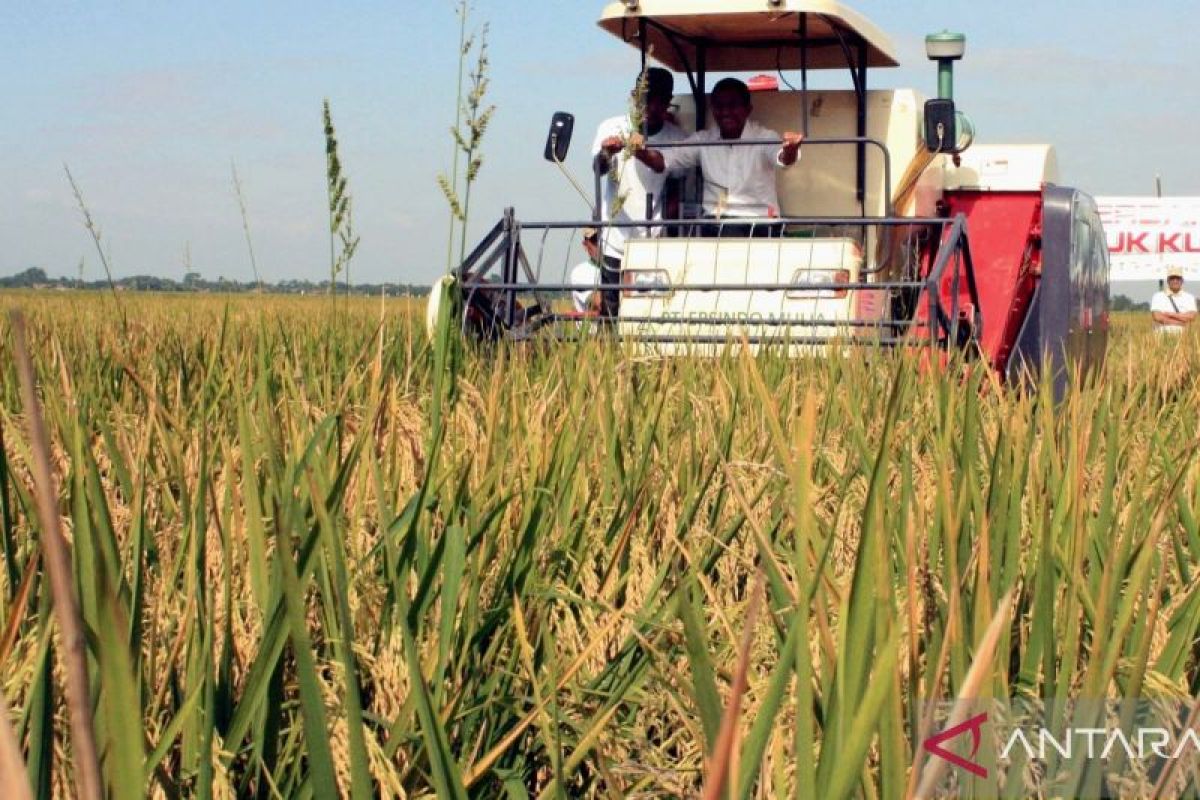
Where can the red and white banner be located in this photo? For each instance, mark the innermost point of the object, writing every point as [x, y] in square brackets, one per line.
[1148, 234]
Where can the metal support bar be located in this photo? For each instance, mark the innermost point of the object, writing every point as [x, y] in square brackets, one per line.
[887, 341]
[972, 287]
[527, 288]
[954, 277]
[598, 169]
[462, 272]
[774, 322]
[501, 251]
[952, 248]
[510, 263]
[673, 38]
[842, 222]
[932, 299]
[642, 42]
[804, 73]
[815, 43]
[862, 130]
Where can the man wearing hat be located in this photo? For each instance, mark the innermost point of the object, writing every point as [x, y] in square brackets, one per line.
[630, 183]
[1173, 310]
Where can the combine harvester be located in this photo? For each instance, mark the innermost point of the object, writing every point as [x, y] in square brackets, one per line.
[895, 229]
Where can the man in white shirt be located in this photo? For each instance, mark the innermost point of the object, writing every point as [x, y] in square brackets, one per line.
[1173, 310]
[587, 273]
[630, 183]
[739, 181]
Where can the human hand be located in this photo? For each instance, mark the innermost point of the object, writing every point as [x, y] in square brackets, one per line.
[790, 150]
[612, 145]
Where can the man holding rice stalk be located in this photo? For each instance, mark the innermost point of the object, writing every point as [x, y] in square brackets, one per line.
[632, 184]
[1174, 309]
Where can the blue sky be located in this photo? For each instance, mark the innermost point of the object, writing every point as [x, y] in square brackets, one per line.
[149, 102]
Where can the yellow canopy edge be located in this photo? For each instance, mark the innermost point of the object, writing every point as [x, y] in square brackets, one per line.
[749, 35]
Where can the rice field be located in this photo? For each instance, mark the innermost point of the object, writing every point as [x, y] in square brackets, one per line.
[315, 556]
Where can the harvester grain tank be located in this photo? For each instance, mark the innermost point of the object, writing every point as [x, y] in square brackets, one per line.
[894, 229]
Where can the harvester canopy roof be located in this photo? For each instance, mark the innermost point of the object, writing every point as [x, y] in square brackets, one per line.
[749, 35]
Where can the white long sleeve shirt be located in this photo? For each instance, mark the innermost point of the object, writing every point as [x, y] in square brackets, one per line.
[739, 181]
[628, 183]
[583, 274]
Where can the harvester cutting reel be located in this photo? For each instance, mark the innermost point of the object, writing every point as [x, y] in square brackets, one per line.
[810, 283]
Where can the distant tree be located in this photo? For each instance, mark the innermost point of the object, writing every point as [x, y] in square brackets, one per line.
[33, 276]
[36, 278]
[1122, 303]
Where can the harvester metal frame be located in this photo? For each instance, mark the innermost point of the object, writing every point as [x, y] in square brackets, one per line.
[504, 317]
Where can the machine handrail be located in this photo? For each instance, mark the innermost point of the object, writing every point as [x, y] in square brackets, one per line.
[776, 322]
[825, 141]
[800, 341]
[775, 222]
[816, 286]
[843, 222]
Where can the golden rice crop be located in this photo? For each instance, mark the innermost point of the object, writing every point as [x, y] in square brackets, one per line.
[316, 556]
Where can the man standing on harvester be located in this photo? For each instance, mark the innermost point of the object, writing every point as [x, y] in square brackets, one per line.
[739, 181]
[631, 184]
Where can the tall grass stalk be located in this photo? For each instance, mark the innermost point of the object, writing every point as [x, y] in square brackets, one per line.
[470, 140]
[342, 240]
[12, 763]
[94, 232]
[56, 556]
[472, 117]
[241, 201]
[449, 186]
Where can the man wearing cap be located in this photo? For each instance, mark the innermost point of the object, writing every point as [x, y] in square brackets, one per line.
[1173, 310]
[630, 183]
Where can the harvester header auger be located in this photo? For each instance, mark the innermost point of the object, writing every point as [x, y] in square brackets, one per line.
[894, 229]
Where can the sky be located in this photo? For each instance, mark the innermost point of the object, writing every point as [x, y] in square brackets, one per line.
[151, 103]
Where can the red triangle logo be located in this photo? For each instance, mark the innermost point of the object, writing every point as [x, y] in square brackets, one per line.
[975, 725]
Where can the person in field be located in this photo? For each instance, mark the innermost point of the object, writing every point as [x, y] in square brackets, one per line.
[1173, 309]
[739, 181]
[633, 191]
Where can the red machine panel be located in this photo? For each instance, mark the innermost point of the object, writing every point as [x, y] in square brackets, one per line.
[1004, 230]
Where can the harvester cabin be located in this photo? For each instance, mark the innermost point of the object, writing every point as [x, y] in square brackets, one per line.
[858, 143]
[859, 140]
